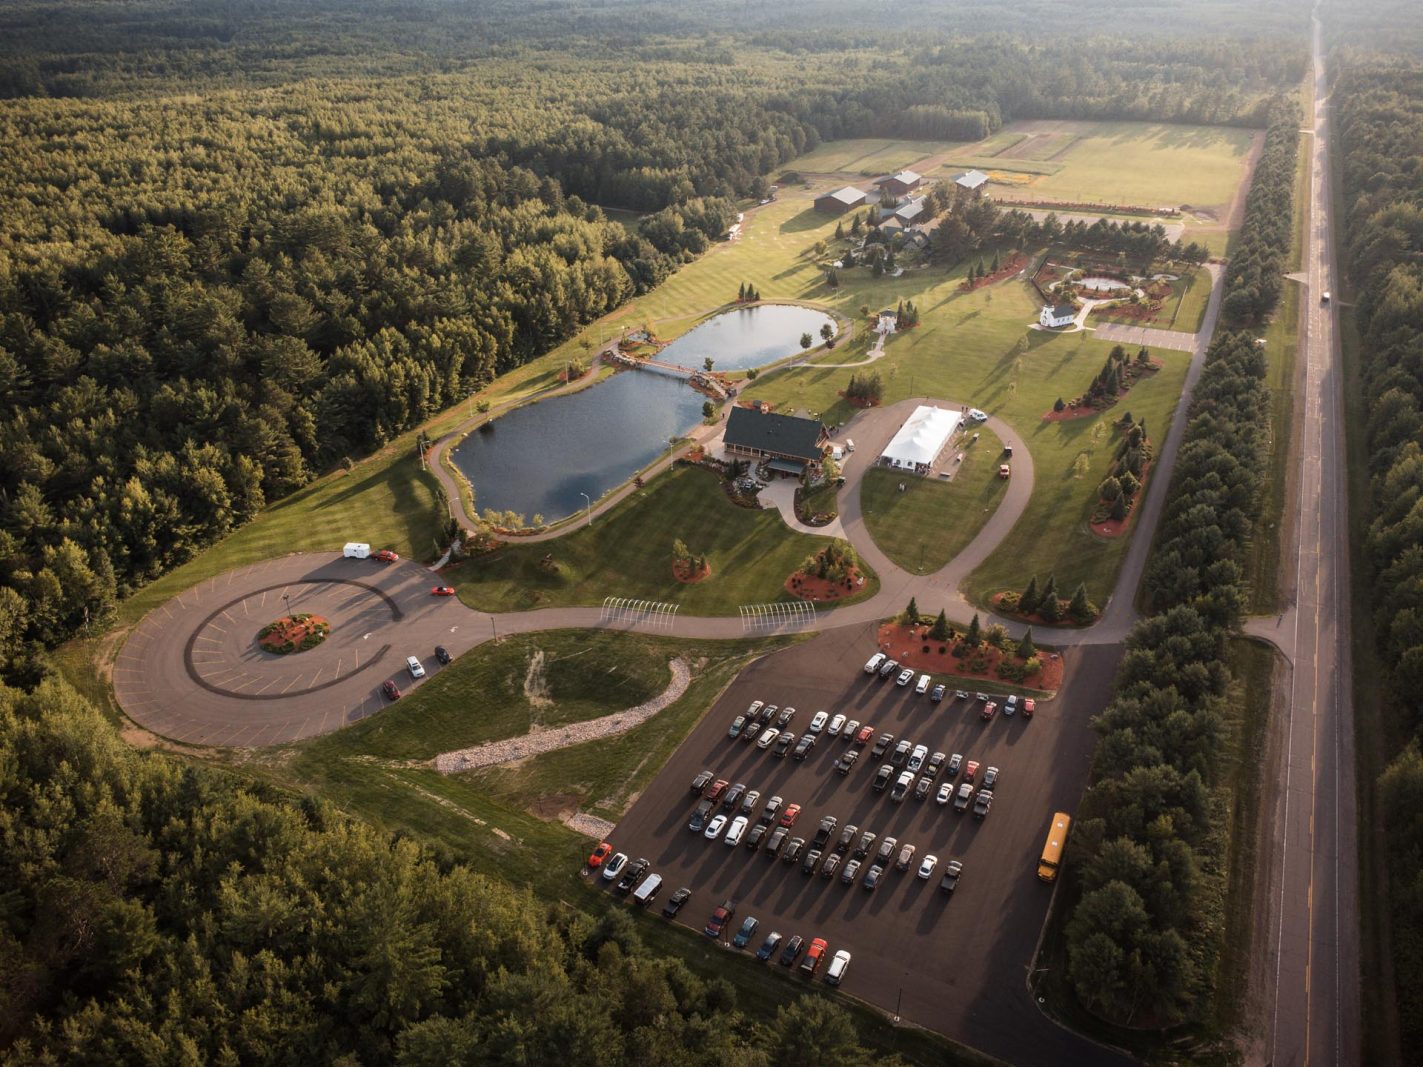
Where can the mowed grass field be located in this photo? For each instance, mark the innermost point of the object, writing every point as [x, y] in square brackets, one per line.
[928, 524]
[629, 553]
[864, 155]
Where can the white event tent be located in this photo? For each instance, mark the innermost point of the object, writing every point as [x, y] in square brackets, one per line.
[921, 439]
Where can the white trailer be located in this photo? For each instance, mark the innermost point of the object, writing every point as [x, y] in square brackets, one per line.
[357, 550]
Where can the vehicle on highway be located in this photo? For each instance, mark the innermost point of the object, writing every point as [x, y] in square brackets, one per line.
[442, 590]
[962, 797]
[390, 689]
[675, 902]
[1324, 297]
[700, 814]
[767, 714]
[754, 710]
[784, 718]
[988, 711]
[716, 789]
[749, 802]
[1029, 706]
[936, 695]
[442, 655]
[936, 764]
[783, 745]
[791, 951]
[715, 827]
[866, 842]
[922, 686]
[850, 729]
[885, 852]
[632, 874]
[952, 870]
[613, 867]
[768, 737]
[737, 830]
[882, 745]
[811, 861]
[882, 777]
[873, 663]
[773, 809]
[847, 761]
[385, 555]
[828, 868]
[990, 777]
[768, 946]
[833, 730]
[733, 796]
[955, 762]
[946, 793]
[737, 725]
[888, 667]
[960, 694]
[775, 841]
[803, 746]
[901, 786]
[602, 852]
[813, 956]
[905, 677]
[824, 830]
[971, 771]
[755, 837]
[1010, 706]
[982, 803]
[917, 758]
[923, 787]
[927, 865]
[818, 722]
[850, 873]
[1051, 858]
[835, 973]
[847, 835]
[791, 853]
[720, 917]
[872, 877]
[748, 929]
[862, 737]
[791, 815]
[702, 780]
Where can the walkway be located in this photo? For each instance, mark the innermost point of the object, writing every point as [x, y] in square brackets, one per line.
[780, 494]
[1174, 340]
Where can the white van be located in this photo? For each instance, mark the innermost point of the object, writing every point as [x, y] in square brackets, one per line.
[838, 966]
[648, 890]
[874, 663]
[923, 686]
[837, 453]
[849, 444]
[414, 666]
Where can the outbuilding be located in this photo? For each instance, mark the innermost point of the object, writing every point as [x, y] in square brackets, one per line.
[971, 179]
[906, 181]
[840, 201]
[920, 440]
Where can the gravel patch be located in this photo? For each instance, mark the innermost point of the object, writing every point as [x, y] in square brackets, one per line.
[540, 741]
[590, 825]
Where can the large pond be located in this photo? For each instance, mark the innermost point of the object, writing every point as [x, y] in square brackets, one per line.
[747, 337]
[541, 459]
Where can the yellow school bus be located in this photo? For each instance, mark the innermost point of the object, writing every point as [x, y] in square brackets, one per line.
[1052, 849]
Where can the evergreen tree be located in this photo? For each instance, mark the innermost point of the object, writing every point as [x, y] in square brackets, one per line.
[1080, 608]
[839, 231]
[1119, 508]
[1048, 606]
[911, 613]
[741, 292]
[1028, 600]
[993, 268]
[1026, 649]
[940, 629]
[975, 632]
[1059, 405]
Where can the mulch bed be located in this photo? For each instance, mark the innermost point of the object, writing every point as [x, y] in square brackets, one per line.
[1110, 528]
[682, 571]
[812, 587]
[912, 646]
[859, 401]
[1066, 622]
[1076, 409]
[289, 634]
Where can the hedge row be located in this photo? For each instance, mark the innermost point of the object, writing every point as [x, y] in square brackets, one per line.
[1256, 269]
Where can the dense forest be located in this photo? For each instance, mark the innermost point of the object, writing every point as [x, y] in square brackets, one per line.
[1149, 853]
[1381, 133]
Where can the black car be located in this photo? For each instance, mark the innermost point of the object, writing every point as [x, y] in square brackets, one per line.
[881, 746]
[882, 777]
[753, 839]
[632, 875]
[783, 744]
[936, 764]
[733, 796]
[822, 835]
[698, 822]
[791, 951]
[767, 714]
[702, 780]
[872, 877]
[886, 851]
[674, 904]
[862, 848]
[811, 861]
[775, 841]
[846, 836]
[922, 787]
[443, 654]
[784, 718]
[889, 667]
[847, 760]
[803, 746]
[791, 852]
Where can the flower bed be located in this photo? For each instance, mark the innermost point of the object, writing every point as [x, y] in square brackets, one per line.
[293, 633]
[686, 573]
[912, 647]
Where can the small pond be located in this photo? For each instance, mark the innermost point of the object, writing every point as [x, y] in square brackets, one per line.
[541, 459]
[746, 337]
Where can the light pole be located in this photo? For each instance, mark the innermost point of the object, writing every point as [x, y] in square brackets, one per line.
[588, 506]
[287, 598]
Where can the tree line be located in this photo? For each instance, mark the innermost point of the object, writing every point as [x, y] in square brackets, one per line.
[1380, 123]
[1257, 266]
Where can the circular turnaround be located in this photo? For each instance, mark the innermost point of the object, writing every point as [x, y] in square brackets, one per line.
[293, 633]
[192, 670]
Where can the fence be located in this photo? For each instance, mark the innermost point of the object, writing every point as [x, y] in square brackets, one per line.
[650, 614]
[788, 614]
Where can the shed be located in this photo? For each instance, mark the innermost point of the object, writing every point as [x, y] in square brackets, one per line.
[905, 181]
[840, 201]
[971, 179]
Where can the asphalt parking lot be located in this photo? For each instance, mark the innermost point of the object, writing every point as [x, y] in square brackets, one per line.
[957, 965]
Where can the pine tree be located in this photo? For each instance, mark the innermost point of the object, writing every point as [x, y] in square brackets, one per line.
[741, 293]
[1048, 607]
[1058, 404]
[839, 231]
[975, 632]
[993, 269]
[1028, 600]
[1026, 649]
[940, 630]
[911, 613]
[1119, 508]
[1081, 607]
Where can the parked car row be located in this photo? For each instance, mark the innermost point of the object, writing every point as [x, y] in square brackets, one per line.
[416, 669]
[787, 951]
[635, 877]
[883, 667]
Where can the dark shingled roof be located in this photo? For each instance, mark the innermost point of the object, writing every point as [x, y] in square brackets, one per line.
[787, 435]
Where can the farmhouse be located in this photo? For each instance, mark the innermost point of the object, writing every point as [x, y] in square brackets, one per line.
[789, 442]
[920, 440]
[840, 201]
[1055, 315]
[906, 181]
[909, 211]
[972, 179]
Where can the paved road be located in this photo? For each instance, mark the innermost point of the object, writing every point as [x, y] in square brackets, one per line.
[1314, 1018]
[1174, 340]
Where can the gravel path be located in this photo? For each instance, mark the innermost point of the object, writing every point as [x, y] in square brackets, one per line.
[539, 741]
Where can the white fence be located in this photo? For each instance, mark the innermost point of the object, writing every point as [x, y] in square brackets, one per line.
[648, 614]
[788, 614]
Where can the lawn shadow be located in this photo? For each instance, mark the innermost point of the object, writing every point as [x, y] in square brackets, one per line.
[809, 219]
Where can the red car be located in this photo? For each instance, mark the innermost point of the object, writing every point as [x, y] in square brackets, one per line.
[970, 771]
[791, 815]
[813, 956]
[391, 691]
[443, 590]
[602, 852]
[1028, 707]
[988, 710]
[863, 737]
[385, 555]
[719, 787]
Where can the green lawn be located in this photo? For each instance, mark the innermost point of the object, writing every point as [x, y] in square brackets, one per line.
[960, 161]
[928, 524]
[629, 553]
[865, 155]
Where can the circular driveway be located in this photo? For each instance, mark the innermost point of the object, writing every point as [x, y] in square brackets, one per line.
[192, 670]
